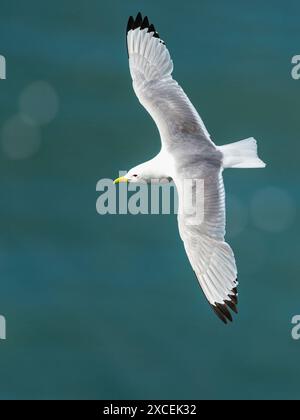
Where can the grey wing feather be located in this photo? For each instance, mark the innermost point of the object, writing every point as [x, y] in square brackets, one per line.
[210, 256]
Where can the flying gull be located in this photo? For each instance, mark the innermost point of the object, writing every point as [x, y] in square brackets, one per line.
[188, 153]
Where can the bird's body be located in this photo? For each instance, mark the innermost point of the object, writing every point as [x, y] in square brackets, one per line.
[188, 153]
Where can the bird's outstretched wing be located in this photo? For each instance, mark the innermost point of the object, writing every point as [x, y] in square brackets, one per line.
[184, 135]
[210, 256]
[151, 69]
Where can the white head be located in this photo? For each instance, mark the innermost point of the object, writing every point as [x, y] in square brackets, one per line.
[155, 170]
[146, 172]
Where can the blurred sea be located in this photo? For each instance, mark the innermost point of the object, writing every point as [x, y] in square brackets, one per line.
[107, 307]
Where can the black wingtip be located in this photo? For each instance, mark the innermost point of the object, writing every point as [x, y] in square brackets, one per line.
[138, 20]
[130, 24]
[234, 296]
[219, 314]
[232, 306]
[145, 23]
[225, 311]
[142, 23]
[151, 28]
[221, 309]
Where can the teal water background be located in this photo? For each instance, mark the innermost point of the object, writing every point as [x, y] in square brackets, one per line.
[106, 307]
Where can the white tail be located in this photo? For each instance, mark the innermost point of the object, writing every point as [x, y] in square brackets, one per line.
[242, 154]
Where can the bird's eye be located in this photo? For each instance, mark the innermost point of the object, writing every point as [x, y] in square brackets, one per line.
[134, 176]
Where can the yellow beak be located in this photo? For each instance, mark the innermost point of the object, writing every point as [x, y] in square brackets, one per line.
[121, 179]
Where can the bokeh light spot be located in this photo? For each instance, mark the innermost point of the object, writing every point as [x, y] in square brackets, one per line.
[39, 103]
[20, 140]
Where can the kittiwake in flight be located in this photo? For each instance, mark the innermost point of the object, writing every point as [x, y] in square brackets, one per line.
[188, 153]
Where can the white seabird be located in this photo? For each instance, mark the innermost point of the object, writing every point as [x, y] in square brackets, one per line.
[187, 152]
